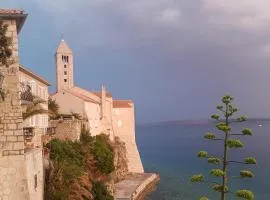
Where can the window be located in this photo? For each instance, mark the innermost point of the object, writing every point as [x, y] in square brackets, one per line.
[35, 181]
[65, 80]
[65, 72]
[67, 60]
[65, 66]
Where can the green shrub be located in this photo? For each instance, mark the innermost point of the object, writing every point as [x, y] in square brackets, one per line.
[100, 192]
[103, 154]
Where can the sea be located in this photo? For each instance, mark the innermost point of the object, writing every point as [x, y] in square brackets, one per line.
[170, 149]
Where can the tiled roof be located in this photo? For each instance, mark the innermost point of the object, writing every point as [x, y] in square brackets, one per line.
[34, 75]
[122, 103]
[99, 93]
[17, 14]
[81, 96]
[11, 11]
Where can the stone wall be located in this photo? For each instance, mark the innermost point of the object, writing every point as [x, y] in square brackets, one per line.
[15, 166]
[11, 122]
[68, 129]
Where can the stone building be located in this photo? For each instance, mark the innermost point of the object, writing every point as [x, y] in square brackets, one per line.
[34, 86]
[21, 172]
[103, 113]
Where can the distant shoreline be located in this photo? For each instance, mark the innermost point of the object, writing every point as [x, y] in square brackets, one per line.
[190, 122]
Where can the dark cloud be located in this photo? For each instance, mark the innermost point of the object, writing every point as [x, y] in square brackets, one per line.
[174, 58]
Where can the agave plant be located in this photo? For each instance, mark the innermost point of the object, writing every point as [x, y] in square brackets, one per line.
[227, 141]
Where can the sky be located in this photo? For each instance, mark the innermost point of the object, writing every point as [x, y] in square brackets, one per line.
[174, 58]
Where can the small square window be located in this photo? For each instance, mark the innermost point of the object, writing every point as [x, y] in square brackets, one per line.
[65, 66]
[65, 80]
[65, 72]
[35, 181]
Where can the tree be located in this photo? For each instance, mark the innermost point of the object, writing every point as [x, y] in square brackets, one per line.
[5, 44]
[5, 53]
[53, 108]
[227, 110]
[34, 107]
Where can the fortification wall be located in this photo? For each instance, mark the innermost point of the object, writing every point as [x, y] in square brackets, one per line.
[68, 129]
[124, 128]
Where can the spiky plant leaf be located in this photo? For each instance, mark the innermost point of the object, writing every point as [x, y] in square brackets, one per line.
[250, 160]
[223, 127]
[219, 188]
[220, 107]
[217, 172]
[246, 174]
[202, 154]
[234, 143]
[242, 118]
[214, 160]
[227, 99]
[215, 116]
[247, 131]
[210, 136]
[203, 198]
[245, 194]
[197, 178]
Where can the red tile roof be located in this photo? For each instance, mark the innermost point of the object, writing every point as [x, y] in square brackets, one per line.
[17, 14]
[122, 103]
[11, 11]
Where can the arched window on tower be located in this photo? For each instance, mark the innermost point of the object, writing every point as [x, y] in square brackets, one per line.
[67, 59]
[65, 66]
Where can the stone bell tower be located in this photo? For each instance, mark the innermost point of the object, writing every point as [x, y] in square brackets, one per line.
[64, 66]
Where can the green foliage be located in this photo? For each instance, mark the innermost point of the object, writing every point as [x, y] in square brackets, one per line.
[71, 161]
[53, 108]
[246, 174]
[250, 160]
[220, 107]
[219, 188]
[5, 44]
[245, 194]
[100, 191]
[234, 143]
[222, 126]
[215, 116]
[34, 108]
[68, 156]
[197, 178]
[103, 154]
[214, 160]
[227, 110]
[210, 136]
[227, 99]
[217, 172]
[247, 131]
[202, 154]
[203, 198]
[242, 118]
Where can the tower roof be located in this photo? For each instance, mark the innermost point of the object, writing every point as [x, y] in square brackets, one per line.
[63, 47]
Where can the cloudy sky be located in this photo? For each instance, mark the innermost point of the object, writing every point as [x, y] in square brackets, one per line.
[174, 58]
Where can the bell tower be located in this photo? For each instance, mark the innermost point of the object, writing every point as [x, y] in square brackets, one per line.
[64, 66]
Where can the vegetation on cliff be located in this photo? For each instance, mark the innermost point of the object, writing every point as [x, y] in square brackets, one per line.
[82, 170]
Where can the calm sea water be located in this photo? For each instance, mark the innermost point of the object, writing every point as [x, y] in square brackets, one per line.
[171, 151]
